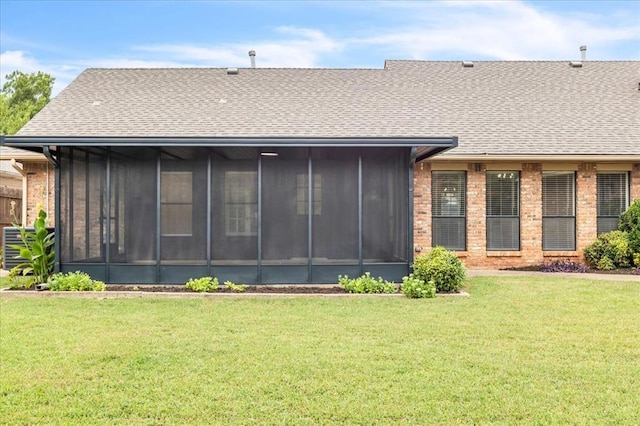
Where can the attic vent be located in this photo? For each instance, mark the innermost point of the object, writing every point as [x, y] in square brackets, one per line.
[232, 71]
[575, 64]
[467, 64]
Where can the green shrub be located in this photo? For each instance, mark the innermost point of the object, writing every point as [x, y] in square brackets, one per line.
[203, 285]
[239, 288]
[605, 264]
[636, 260]
[442, 267]
[630, 223]
[612, 245]
[366, 284]
[37, 249]
[416, 288]
[75, 281]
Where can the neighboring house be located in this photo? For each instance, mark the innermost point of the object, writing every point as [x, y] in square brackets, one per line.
[27, 180]
[298, 175]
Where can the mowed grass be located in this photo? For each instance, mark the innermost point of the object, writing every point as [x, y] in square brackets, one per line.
[519, 350]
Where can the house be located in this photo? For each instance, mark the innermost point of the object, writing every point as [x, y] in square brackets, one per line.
[299, 175]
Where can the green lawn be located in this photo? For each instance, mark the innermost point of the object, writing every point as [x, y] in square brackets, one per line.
[519, 350]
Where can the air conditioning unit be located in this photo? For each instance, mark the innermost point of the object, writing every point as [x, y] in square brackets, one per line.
[11, 236]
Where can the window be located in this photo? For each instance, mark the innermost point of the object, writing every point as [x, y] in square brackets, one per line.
[558, 211]
[176, 198]
[302, 198]
[613, 199]
[448, 209]
[241, 203]
[503, 210]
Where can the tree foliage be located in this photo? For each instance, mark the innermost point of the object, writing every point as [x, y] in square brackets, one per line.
[21, 97]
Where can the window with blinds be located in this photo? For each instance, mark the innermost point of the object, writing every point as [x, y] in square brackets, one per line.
[448, 209]
[503, 210]
[558, 211]
[613, 199]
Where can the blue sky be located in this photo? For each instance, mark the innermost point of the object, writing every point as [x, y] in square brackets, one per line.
[65, 37]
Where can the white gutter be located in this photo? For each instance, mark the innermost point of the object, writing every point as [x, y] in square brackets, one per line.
[20, 170]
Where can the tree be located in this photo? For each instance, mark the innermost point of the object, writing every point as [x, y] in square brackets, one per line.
[21, 97]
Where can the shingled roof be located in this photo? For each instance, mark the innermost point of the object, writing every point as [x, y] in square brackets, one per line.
[495, 108]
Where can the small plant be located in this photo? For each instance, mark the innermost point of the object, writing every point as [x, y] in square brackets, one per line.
[613, 246]
[203, 285]
[75, 281]
[37, 249]
[135, 288]
[366, 284]
[563, 266]
[442, 267]
[239, 288]
[416, 288]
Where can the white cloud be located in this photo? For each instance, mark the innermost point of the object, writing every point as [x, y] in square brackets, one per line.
[18, 60]
[506, 30]
[301, 47]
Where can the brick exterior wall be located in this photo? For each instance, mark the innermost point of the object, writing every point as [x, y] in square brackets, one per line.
[40, 193]
[531, 253]
[422, 207]
[635, 182]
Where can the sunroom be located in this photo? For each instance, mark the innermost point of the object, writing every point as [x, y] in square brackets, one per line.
[246, 210]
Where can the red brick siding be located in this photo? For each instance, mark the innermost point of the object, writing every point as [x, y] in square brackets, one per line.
[39, 194]
[422, 207]
[531, 252]
[635, 182]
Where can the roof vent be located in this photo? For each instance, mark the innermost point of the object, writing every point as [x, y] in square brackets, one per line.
[467, 64]
[583, 53]
[232, 71]
[575, 64]
[252, 57]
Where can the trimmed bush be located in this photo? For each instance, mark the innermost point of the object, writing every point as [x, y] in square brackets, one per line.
[366, 284]
[203, 285]
[630, 223]
[613, 246]
[416, 288]
[75, 281]
[442, 267]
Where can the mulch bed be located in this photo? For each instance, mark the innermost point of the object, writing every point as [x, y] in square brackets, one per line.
[294, 289]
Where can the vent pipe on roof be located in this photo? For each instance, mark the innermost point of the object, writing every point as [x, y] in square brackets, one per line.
[583, 53]
[252, 57]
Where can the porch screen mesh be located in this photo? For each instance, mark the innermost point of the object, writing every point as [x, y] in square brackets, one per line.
[385, 205]
[133, 206]
[285, 235]
[335, 206]
[183, 211]
[82, 181]
[234, 209]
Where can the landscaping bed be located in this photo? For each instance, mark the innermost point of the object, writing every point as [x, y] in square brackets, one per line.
[291, 289]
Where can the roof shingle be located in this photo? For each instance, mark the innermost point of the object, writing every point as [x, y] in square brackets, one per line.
[495, 108]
